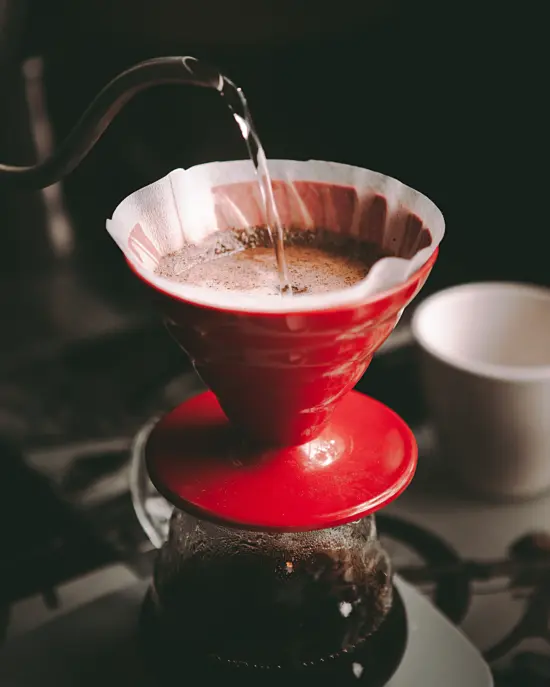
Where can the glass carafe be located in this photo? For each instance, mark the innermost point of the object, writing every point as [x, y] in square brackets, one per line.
[270, 599]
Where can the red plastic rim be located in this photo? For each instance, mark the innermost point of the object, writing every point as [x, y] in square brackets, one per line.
[361, 462]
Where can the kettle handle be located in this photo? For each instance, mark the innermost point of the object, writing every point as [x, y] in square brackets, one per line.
[103, 109]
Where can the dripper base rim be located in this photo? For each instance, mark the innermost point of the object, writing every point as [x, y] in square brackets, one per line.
[362, 460]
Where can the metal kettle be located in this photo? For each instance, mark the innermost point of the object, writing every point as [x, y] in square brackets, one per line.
[104, 108]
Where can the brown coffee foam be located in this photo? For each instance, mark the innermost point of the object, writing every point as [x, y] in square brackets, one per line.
[243, 260]
[310, 204]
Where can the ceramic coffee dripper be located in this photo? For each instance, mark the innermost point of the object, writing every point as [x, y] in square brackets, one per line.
[279, 367]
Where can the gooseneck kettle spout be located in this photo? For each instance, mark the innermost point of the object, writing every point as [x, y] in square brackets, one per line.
[101, 112]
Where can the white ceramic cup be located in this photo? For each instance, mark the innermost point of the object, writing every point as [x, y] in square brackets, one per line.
[485, 363]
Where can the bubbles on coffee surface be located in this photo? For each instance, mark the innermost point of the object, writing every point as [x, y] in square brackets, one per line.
[270, 600]
[243, 260]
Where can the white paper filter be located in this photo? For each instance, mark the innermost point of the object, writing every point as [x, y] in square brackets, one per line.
[186, 206]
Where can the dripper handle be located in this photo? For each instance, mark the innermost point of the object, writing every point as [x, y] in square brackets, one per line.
[107, 104]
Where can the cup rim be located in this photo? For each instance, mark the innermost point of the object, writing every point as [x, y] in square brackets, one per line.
[511, 373]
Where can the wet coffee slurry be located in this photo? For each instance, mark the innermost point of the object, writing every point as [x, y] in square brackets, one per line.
[243, 261]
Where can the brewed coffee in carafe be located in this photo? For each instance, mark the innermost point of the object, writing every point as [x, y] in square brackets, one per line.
[270, 606]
